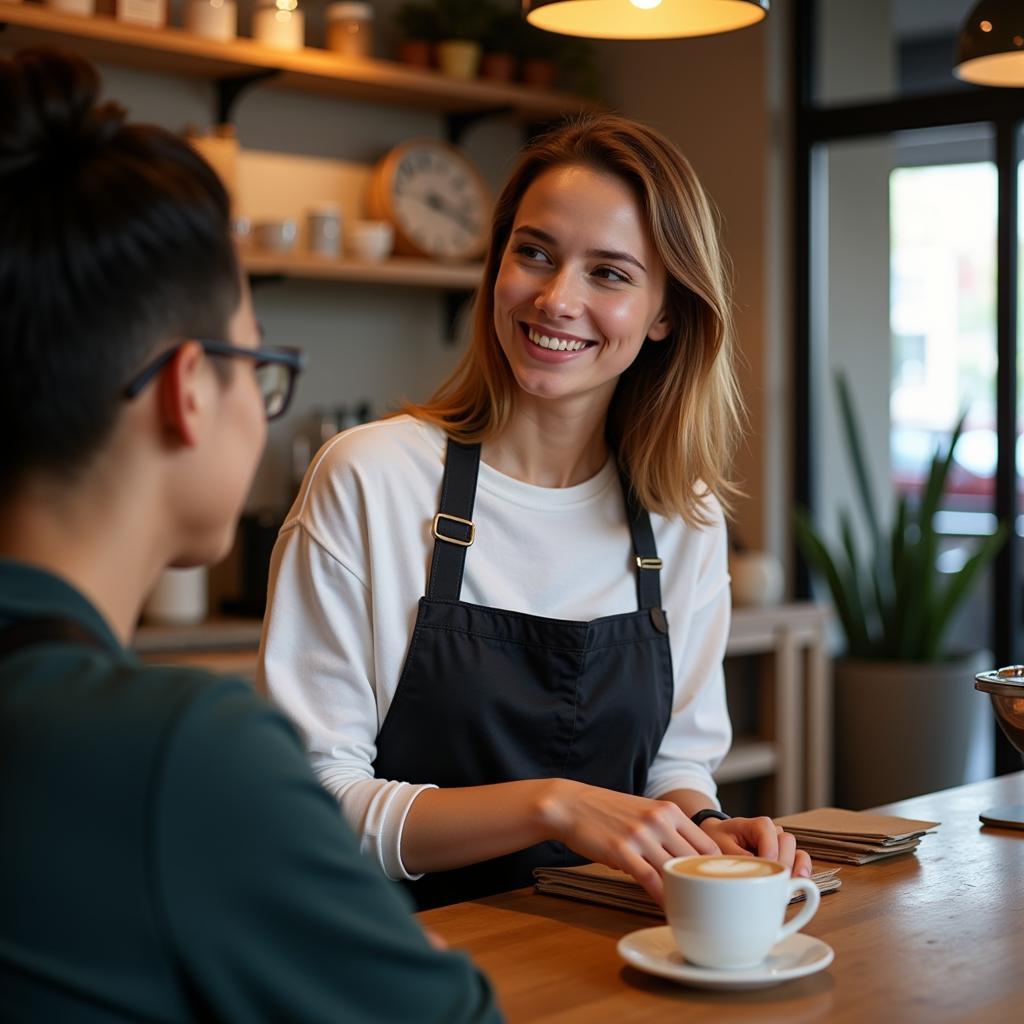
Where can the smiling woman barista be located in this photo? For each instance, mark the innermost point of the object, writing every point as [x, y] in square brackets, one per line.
[543, 697]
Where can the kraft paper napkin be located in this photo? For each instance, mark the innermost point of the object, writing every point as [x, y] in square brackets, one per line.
[854, 837]
[596, 883]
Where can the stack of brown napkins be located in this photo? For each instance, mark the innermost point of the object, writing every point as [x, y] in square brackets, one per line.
[595, 883]
[854, 837]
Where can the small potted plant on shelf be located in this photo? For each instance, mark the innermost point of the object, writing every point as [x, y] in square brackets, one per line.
[418, 25]
[905, 708]
[502, 42]
[539, 52]
[461, 26]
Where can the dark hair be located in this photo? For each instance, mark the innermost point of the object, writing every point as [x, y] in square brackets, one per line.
[114, 241]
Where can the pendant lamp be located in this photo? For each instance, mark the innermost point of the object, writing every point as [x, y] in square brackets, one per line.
[643, 19]
[990, 47]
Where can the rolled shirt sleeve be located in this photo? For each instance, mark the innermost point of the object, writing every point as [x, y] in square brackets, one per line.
[317, 665]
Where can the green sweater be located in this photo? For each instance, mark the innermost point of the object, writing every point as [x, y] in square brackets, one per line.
[166, 855]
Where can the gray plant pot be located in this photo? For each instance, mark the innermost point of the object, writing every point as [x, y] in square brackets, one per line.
[903, 728]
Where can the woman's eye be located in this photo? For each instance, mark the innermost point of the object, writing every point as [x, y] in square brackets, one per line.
[531, 252]
[611, 274]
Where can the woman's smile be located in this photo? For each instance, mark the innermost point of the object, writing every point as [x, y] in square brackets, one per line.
[553, 346]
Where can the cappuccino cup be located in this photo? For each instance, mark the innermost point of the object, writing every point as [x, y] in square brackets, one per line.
[727, 912]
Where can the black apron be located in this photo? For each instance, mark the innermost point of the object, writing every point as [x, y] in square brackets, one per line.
[488, 695]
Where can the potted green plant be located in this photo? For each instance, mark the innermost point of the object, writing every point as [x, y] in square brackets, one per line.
[418, 25]
[461, 26]
[502, 43]
[905, 709]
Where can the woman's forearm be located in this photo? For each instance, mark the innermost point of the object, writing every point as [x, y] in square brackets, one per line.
[450, 828]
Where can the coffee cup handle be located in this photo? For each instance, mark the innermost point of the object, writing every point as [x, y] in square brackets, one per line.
[806, 912]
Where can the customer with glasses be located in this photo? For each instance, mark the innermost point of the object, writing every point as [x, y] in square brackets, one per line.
[165, 852]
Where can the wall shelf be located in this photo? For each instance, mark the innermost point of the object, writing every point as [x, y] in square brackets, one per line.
[179, 52]
[397, 271]
[747, 759]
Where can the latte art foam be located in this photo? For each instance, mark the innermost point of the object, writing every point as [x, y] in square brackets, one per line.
[726, 867]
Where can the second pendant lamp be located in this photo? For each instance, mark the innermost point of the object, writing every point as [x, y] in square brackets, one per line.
[643, 19]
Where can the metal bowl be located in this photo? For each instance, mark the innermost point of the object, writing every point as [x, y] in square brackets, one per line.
[1005, 687]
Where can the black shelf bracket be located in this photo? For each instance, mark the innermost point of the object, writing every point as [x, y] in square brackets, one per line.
[257, 279]
[457, 124]
[230, 90]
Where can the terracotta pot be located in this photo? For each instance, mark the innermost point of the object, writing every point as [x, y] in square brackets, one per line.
[498, 67]
[417, 52]
[906, 728]
[539, 72]
[459, 58]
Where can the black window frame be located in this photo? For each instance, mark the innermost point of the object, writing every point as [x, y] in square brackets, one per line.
[816, 126]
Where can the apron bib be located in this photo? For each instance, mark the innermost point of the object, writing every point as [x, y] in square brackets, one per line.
[488, 695]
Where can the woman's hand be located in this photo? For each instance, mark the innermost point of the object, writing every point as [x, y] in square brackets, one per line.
[632, 833]
[758, 837]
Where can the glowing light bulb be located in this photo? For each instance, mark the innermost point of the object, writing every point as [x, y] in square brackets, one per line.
[646, 5]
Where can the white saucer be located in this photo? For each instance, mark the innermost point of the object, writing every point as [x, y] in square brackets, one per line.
[654, 950]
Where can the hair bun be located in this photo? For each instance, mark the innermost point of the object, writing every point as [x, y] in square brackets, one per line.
[49, 116]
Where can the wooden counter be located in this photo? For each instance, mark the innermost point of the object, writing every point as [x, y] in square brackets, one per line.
[932, 937]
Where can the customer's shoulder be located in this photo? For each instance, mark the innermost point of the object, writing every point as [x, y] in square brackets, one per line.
[175, 696]
[205, 717]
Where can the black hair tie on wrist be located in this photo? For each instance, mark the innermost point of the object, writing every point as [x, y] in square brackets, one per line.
[709, 812]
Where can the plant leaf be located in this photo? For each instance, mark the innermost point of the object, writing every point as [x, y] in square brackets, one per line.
[854, 588]
[958, 588]
[821, 561]
[855, 449]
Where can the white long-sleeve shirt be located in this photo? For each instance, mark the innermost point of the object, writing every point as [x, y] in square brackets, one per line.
[351, 564]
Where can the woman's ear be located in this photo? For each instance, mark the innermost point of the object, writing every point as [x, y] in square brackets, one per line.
[661, 328]
[180, 397]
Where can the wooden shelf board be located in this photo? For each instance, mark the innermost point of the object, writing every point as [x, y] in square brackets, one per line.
[397, 271]
[311, 69]
[748, 759]
[214, 634]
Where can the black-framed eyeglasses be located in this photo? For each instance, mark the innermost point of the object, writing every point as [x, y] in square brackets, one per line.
[276, 370]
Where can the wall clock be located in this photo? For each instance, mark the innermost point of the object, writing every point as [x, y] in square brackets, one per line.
[435, 197]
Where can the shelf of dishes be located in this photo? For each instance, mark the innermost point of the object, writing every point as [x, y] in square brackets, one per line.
[309, 69]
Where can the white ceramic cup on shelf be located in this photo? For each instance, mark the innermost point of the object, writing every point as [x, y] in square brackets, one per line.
[323, 230]
[275, 235]
[727, 912]
[179, 597]
[757, 578]
[372, 240]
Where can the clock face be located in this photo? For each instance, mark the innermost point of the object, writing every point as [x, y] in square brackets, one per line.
[438, 200]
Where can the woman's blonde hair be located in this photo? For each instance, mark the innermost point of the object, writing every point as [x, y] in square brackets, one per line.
[675, 415]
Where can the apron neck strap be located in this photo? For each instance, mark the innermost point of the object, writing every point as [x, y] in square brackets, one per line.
[454, 531]
[648, 564]
[453, 526]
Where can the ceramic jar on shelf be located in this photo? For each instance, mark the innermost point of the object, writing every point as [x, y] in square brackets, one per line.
[212, 19]
[350, 29]
[279, 24]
